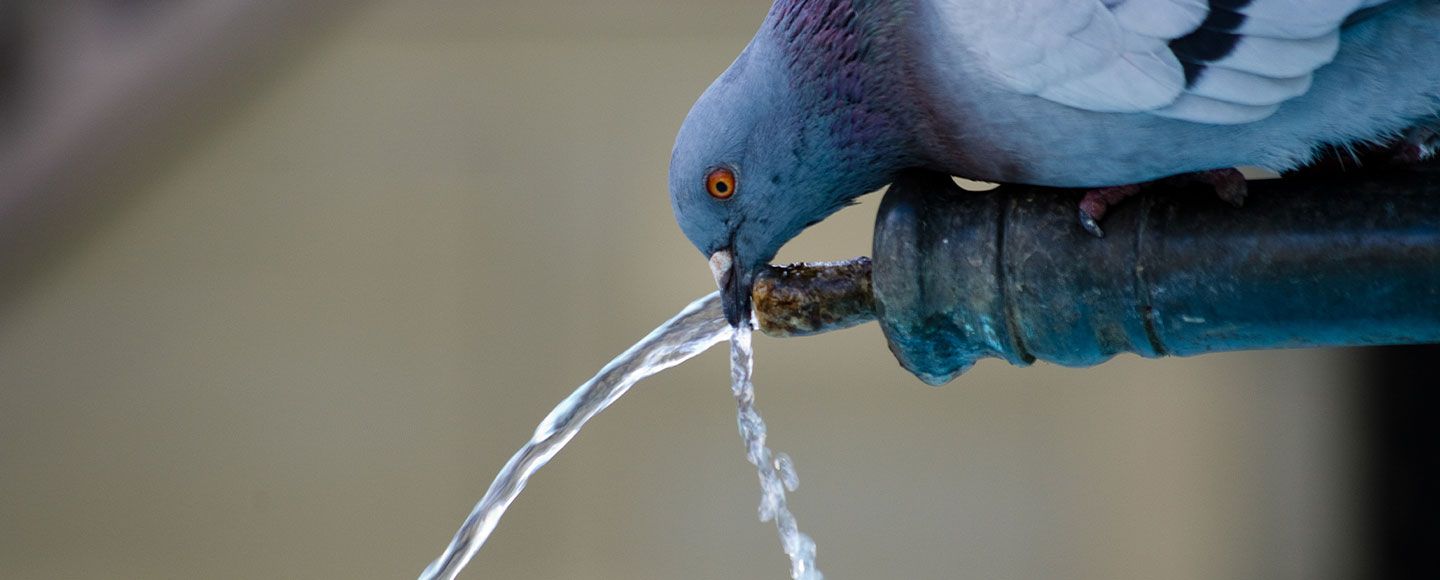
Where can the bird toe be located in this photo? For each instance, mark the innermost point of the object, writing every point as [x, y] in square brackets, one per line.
[1090, 223]
[1229, 184]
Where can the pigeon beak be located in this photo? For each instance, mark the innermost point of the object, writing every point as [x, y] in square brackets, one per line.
[734, 284]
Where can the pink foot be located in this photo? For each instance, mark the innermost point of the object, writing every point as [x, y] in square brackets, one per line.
[1229, 185]
[1098, 201]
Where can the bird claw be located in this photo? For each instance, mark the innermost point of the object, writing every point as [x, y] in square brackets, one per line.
[1229, 185]
[1418, 145]
[1097, 201]
[1091, 224]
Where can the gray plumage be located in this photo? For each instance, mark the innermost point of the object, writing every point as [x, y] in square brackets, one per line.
[834, 97]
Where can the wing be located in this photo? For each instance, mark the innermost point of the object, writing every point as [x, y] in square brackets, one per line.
[1209, 61]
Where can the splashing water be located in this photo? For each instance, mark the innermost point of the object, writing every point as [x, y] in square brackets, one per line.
[777, 471]
[698, 327]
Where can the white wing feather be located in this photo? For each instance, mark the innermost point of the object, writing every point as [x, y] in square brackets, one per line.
[1133, 56]
[1161, 18]
[1296, 18]
[1281, 58]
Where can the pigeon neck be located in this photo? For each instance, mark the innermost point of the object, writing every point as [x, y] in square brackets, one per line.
[846, 65]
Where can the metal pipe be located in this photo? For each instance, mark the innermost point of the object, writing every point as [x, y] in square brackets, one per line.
[813, 298]
[1309, 262]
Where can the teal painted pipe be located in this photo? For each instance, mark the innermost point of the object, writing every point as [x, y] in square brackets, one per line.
[959, 276]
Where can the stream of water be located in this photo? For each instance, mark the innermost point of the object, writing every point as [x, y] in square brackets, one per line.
[698, 327]
[777, 470]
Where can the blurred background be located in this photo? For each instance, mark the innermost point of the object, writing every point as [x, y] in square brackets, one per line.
[283, 284]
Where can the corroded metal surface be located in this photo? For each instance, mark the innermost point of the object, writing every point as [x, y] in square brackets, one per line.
[1329, 261]
[813, 298]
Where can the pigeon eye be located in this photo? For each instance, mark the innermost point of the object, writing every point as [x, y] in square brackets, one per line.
[720, 184]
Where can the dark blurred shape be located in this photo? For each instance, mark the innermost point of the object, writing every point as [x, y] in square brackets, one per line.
[93, 92]
[12, 53]
[1402, 391]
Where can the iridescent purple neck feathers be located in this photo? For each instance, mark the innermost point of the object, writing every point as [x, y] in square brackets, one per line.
[847, 65]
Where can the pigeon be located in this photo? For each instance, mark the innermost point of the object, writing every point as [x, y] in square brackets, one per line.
[834, 98]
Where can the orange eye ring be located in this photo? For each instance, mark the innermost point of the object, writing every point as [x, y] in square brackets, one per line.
[720, 183]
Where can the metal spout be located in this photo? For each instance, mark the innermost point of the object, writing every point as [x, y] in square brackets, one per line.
[813, 298]
[959, 276]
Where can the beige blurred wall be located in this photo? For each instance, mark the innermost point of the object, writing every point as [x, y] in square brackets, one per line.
[300, 343]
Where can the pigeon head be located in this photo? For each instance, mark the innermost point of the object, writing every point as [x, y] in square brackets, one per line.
[775, 145]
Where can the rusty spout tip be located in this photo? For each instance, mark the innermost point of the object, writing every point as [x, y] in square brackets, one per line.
[813, 298]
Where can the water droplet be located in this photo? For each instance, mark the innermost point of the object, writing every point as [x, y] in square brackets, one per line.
[786, 466]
